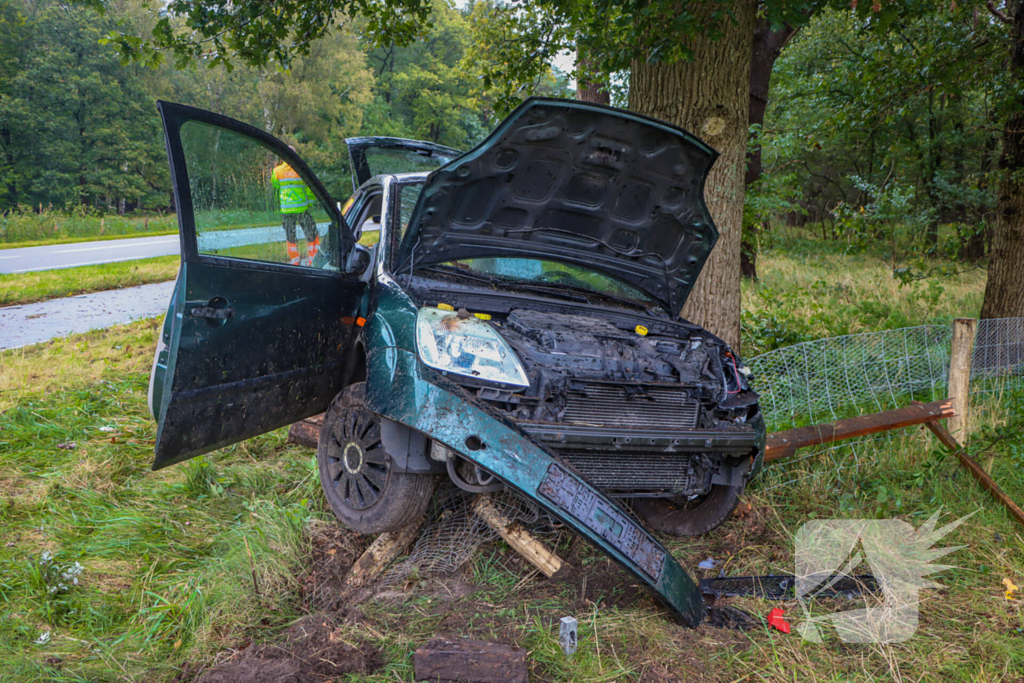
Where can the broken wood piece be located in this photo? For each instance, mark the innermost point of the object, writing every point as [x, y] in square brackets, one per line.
[781, 444]
[384, 549]
[306, 432]
[976, 470]
[526, 545]
[469, 661]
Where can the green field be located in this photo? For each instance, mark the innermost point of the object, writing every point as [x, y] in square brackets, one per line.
[33, 229]
[168, 558]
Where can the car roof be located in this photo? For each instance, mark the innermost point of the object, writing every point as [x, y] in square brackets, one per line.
[396, 177]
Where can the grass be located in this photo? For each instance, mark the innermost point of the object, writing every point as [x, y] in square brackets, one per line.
[29, 228]
[166, 577]
[810, 288]
[24, 288]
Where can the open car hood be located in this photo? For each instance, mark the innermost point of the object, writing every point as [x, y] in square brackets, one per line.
[577, 183]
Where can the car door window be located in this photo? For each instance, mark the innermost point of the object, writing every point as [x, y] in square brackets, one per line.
[248, 203]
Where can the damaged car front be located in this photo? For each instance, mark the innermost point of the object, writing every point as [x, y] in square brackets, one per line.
[518, 328]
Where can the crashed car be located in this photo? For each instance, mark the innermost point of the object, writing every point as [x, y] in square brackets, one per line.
[505, 317]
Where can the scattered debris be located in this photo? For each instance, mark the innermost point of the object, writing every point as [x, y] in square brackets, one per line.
[43, 639]
[783, 586]
[776, 620]
[68, 445]
[709, 563]
[1010, 589]
[469, 661]
[526, 545]
[568, 635]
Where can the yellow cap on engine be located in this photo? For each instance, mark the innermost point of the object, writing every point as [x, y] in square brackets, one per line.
[446, 307]
[641, 330]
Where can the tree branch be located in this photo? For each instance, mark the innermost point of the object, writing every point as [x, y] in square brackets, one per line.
[1001, 16]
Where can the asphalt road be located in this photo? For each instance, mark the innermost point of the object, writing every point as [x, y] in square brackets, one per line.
[54, 256]
[34, 323]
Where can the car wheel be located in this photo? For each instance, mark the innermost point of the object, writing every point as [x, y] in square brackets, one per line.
[689, 517]
[359, 477]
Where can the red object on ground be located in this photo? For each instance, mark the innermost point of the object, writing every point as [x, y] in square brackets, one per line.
[776, 621]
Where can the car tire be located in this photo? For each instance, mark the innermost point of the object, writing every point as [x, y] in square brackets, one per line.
[359, 478]
[689, 518]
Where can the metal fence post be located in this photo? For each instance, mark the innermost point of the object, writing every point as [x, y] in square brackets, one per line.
[960, 354]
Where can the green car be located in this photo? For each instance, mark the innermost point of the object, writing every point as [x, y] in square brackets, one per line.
[505, 318]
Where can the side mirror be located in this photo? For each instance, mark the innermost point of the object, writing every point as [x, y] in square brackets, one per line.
[358, 261]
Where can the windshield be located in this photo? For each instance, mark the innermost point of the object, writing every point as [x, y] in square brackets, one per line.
[529, 272]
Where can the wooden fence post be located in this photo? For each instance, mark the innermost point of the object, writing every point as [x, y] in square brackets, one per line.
[960, 355]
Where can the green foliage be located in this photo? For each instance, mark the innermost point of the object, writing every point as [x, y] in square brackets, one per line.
[76, 128]
[80, 138]
[884, 136]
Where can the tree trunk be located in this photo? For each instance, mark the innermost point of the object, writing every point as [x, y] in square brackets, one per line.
[767, 47]
[709, 96]
[586, 90]
[1004, 291]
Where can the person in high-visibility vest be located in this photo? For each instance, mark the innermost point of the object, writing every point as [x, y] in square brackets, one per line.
[294, 198]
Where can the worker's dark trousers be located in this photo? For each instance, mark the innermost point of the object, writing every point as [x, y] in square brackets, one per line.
[304, 220]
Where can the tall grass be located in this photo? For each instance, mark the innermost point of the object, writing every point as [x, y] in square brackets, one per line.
[24, 226]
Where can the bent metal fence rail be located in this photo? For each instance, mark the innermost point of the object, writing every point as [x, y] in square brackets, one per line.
[828, 379]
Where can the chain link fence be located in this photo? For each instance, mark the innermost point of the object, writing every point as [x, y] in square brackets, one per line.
[829, 379]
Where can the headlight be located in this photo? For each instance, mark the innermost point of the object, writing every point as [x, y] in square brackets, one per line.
[466, 346]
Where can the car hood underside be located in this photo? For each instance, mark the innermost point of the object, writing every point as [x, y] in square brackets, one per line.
[577, 183]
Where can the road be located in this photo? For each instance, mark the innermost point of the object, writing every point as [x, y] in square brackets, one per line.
[34, 323]
[54, 256]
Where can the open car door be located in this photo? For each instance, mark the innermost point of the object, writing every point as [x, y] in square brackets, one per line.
[254, 337]
[372, 156]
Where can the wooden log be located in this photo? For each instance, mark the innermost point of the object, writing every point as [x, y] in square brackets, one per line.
[384, 549]
[306, 432]
[976, 470]
[781, 444]
[960, 354]
[526, 545]
[469, 661]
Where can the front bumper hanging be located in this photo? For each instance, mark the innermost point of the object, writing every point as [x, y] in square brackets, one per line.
[415, 396]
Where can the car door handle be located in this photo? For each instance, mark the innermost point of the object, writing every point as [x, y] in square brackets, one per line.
[211, 313]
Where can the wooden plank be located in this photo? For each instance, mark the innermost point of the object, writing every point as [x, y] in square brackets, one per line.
[976, 470]
[960, 354]
[781, 444]
[469, 661]
[306, 432]
[525, 544]
[384, 549]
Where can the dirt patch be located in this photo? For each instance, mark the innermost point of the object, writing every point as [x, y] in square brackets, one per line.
[311, 651]
[596, 580]
[333, 550]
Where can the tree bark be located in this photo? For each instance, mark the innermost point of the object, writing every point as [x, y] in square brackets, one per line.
[766, 49]
[586, 90]
[1004, 290]
[709, 96]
